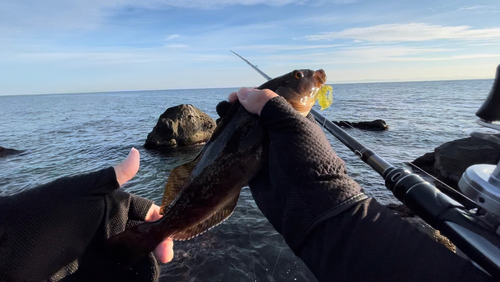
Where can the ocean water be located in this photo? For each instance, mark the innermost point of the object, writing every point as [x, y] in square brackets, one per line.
[63, 135]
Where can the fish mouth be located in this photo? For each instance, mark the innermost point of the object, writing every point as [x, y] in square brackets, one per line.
[320, 77]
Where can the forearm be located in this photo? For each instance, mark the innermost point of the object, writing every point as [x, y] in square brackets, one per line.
[51, 225]
[299, 148]
[327, 221]
[370, 243]
[47, 228]
[306, 181]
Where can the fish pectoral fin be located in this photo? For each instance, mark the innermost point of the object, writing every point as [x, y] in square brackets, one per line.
[178, 179]
[215, 219]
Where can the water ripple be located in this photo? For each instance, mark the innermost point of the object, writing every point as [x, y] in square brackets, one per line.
[65, 135]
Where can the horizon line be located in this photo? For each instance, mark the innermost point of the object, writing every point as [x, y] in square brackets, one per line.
[225, 87]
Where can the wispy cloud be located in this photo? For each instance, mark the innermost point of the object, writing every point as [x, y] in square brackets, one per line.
[90, 14]
[278, 48]
[476, 7]
[176, 46]
[409, 32]
[480, 9]
[203, 4]
[373, 54]
[172, 36]
[146, 44]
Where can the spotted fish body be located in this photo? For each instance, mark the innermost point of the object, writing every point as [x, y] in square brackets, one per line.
[204, 192]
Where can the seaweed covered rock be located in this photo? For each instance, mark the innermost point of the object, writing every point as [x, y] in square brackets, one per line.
[403, 211]
[450, 160]
[182, 125]
[6, 152]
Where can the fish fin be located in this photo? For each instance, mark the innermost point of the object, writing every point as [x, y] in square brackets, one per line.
[215, 219]
[178, 179]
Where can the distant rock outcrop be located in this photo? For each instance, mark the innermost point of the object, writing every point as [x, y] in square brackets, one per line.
[181, 125]
[6, 152]
[375, 125]
[449, 161]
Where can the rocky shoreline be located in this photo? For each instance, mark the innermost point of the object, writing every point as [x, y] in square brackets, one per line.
[450, 160]
[447, 163]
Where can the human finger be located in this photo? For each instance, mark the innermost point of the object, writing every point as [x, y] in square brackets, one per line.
[253, 100]
[153, 213]
[232, 97]
[128, 167]
[164, 252]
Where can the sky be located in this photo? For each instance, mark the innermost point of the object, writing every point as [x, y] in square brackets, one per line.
[61, 46]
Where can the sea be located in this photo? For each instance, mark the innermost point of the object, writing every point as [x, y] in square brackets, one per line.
[69, 134]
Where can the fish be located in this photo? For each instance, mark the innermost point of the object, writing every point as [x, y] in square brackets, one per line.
[204, 192]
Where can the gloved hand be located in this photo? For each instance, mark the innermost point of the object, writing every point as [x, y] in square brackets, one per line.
[58, 228]
[305, 182]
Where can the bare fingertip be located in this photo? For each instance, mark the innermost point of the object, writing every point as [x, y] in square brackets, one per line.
[232, 97]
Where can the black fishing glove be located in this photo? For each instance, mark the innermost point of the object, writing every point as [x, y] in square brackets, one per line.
[58, 228]
[222, 109]
[305, 182]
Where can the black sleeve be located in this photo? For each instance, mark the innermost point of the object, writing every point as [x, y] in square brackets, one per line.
[328, 222]
[45, 231]
[369, 242]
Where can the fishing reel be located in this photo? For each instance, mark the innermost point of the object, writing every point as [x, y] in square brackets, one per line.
[481, 183]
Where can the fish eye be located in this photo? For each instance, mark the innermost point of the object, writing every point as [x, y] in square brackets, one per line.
[298, 74]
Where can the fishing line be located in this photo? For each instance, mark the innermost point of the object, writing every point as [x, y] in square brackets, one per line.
[431, 176]
[276, 263]
[251, 245]
[348, 124]
[464, 200]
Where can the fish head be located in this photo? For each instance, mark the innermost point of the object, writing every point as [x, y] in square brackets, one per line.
[299, 87]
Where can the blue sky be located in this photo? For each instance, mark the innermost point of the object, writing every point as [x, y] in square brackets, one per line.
[60, 46]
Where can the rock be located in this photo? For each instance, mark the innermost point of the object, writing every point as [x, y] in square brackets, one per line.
[431, 232]
[447, 163]
[375, 125]
[6, 152]
[408, 215]
[402, 210]
[425, 161]
[450, 160]
[182, 125]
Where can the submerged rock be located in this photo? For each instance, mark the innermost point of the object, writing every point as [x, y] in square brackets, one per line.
[449, 161]
[375, 125]
[6, 152]
[182, 125]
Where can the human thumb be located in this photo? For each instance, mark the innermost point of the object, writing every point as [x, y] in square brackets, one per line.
[128, 167]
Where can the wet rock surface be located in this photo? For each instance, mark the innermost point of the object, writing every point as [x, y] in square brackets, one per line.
[7, 152]
[449, 161]
[374, 125]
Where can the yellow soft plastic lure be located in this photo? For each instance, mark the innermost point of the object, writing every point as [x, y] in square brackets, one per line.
[325, 97]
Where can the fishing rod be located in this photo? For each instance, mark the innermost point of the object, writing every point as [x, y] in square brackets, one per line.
[474, 230]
